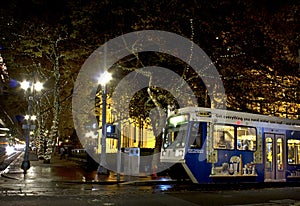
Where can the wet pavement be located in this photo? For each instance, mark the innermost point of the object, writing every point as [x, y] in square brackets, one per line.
[59, 171]
[64, 182]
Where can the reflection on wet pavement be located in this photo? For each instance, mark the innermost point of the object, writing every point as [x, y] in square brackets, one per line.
[64, 177]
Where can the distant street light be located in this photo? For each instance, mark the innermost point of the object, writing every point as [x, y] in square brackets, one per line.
[103, 80]
[25, 85]
[33, 117]
[38, 86]
[29, 88]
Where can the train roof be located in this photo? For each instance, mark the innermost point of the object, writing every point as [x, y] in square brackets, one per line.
[239, 118]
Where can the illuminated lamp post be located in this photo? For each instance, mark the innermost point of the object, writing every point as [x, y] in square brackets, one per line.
[29, 88]
[103, 80]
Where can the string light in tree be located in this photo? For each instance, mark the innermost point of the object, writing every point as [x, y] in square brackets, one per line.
[192, 40]
[191, 48]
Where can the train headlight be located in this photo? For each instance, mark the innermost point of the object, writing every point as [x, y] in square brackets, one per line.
[178, 153]
[180, 144]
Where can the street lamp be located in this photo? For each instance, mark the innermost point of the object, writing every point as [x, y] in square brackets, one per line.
[30, 88]
[103, 80]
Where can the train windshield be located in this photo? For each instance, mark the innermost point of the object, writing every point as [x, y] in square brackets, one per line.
[176, 132]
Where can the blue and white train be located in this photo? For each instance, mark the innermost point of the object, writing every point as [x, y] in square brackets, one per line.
[211, 145]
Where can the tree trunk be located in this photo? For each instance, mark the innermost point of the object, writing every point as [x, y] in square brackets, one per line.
[51, 141]
[158, 117]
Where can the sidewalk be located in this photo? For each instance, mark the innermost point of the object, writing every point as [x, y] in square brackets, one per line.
[59, 170]
[68, 171]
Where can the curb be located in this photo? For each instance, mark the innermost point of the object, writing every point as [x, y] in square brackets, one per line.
[8, 177]
[149, 182]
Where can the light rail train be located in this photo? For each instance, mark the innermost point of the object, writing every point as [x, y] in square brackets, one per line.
[211, 145]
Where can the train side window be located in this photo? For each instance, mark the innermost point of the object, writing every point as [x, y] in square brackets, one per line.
[196, 135]
[293, 151]
[246, 138]
[223, 137]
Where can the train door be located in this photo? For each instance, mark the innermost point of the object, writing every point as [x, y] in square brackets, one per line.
[274, 157]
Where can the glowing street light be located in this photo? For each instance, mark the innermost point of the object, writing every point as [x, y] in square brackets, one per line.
[28, 117]
[38, 86]
[25, 85]
[105, 78]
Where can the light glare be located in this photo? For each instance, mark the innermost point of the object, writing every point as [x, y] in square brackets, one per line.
[25, 85]
[105, 78]
[33, 117]
[38, 86]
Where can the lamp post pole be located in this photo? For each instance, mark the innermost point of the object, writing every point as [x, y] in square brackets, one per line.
[101, 168]
[26, 163]
[29, 87]
[104, 79]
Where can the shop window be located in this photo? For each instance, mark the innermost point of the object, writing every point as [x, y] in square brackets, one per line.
[223, 137]
[246, 138]
[293, 151]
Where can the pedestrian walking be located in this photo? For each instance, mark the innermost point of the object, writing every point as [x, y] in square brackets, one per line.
[62, 153]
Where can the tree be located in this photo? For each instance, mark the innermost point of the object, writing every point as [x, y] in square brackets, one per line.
[253, 44]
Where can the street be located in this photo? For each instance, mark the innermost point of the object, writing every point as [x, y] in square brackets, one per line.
[92, 194]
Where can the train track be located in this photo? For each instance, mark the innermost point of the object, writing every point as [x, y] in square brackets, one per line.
[6, 159]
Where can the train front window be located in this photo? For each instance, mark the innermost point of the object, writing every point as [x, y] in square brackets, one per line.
[293, 151]
[175, 136]
[176, 132]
